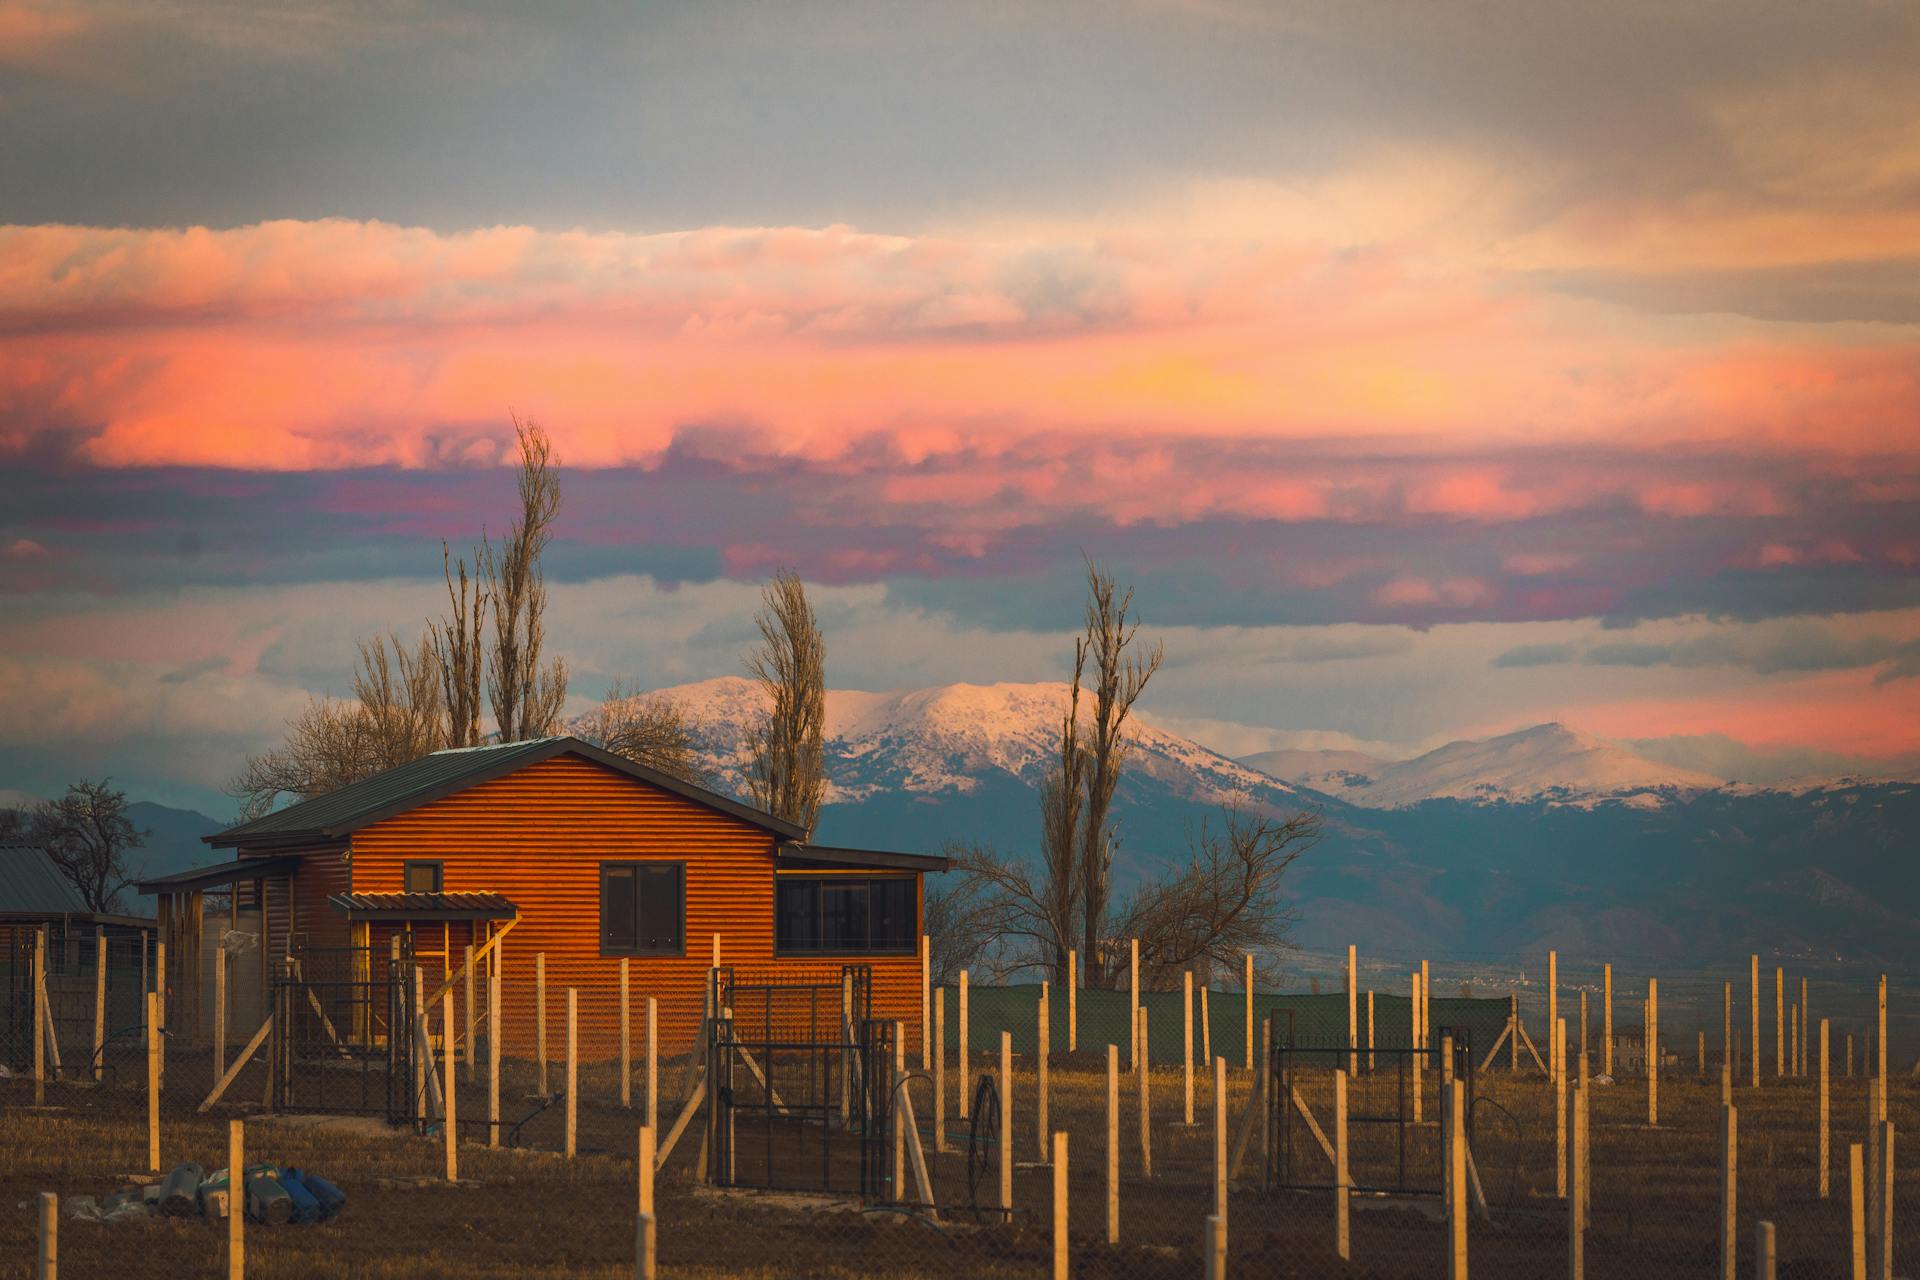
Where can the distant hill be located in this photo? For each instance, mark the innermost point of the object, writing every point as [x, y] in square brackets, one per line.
[174, 843]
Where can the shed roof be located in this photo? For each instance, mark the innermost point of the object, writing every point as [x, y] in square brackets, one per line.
[218, 874]
[359, 804]
[823, 856]
[31, 885]
[416, 906]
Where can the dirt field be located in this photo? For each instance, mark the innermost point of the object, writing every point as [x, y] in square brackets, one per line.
[1655, 1201]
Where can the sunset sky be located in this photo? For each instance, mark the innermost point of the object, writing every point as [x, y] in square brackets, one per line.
[1430, 370]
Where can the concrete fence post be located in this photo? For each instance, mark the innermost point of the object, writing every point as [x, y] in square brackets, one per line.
[236, 1199]
[1457, 1181]
[573, 1070]
[1186, 1038]
[1213, 1243]
[100, 1006]
[1653, 1053]
[540, 1019]
[153, 1082]
[1342, 1241]
[494, 983]
[1220, 1139]
[1353, 1010]
[646, 1229]
[1576, 1177]
[1826, 1154]
[49, 1236]
[1073, 1001]
[1060, 1206]
[1249, 1011]
[1133, 1003]
[1113, 1144]
[450, 1122]
[965, 1046]
[1042, 1052]
[626, 1038]
[940, 1070]
[1144, 1074]
[1857, 1211]
[1729, 1192]
[1006, 1123]
[1763, 1256]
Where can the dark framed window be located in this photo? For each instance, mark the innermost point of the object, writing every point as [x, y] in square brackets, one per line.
[643, 908]
[845, 914]
[422, 877]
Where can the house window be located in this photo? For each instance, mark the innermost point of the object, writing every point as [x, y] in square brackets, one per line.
[643, 908]
[850, 914]
[422, 877]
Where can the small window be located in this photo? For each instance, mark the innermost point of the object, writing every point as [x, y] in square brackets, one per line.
[423, 877]
[852, 914]
[643, 908]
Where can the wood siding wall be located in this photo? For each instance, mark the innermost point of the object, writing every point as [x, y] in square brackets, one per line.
[539, 836]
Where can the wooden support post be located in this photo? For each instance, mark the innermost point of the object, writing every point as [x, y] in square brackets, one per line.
[153, 1085]
[926, 1002]
[1426, 1005]
[1849, 1055]
[1113, 1144]
[1457, 1182]
[1206, 1030]
[962, 1062]
[236, 1199]
[1213, 1244]
[1726, 1026]
[49, 1268]
[1883, 1033]
[1043, 1051]
[1059, 1206]
[1264, 1107]
[1006, 1123]
[897, 1094]
[1186, 1039]
[1556, 1055]
[1414, 1061]
[1512, 1035]
[40, 1018]
[1883, 1225]
[472, 1017]
[1729, 1192]
[493, 1060]
[1143, 1073]
[219, 1011]
[1779, 1022]
[451, 1123]
[1220, 1139]
[1576, 1194]
[1073, 1001]
[626, 1038]
[1876, 1113]
[1800, 1008]
[1857, 1211]
[1372, 1066]
[1342, 1243]
[940, 1071]
[1555, 1061]
[1133, 1004]
[645, 1244]
[540, 1021]
[1826, 1157]
[1583, 1030]
[100, 1002]
[1653, 1053]
[573, 1068]
[653, 1064]
[1606, 1023]
[1753, 1041]
[1249, 981]
[1353, 1012]
[160, 998]
[1764, 1264]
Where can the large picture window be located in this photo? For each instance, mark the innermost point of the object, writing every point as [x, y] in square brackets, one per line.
[844, 914]
[643, 908]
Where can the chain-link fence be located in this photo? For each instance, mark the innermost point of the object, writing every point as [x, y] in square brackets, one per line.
[837, 1145]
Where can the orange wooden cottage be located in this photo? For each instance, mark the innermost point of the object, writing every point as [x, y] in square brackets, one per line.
[579, 856]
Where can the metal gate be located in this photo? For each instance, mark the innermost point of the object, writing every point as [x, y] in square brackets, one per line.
[800, 1076]
[1389, 1152]
[343, 1032]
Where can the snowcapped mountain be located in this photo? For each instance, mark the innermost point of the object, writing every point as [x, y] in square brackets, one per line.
[955, 739]
[1548, 762]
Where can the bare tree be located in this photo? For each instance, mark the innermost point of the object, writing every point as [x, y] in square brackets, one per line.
[395, 716]
[1119, 677]
[87, 834]
[648, 727]
[1062, 800]
[526, 696]
[1009, 908]
[459, 650]
[1224, 902]
[958, 936]
[787, 775]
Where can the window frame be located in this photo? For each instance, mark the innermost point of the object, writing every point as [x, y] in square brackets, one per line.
[600, 918]
[439, 874]
[910, 947]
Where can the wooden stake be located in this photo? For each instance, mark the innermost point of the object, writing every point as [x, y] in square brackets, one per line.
[1371, 1065]
[1040, 1064]
[1653, 1053]
[153, 1084]
[49, 1236]
[1576, 1176]
[540, 1019]
[1006, 1123]
[1342, 1243]
[1553, 1019]
[1133, 1003]
[1220, 1139]
[1857, 1210]
[573, 1068]
[1826, 1158]
[493, 1060]
[1606, 1025]
[100, 1004]
[1186, 1039]
[1557, 1056]
[1753, 1042]
[1726, 1028]
[219, 1009]
[964, 1046]
[1805, 1049]
[451, 1123]
[1779, 1022]
[1206, 1029]
[897, 1095]
[236, 1199]
[940, 1071]
[1426, 1006]
[1113, 1144]
[1414, 1060]
[926, 1002]
[1353, 1012]
[1060, 1206]
[1457, 1182]
[1249, 1010]
[626, 1039]
[1883, 1177]
[1583, 1028]
[471, 1018]
[1073, 1001]
[40, 1018]
[1729, 1192]
[1763, 1255]
[645, 1226]
[1143, 1073]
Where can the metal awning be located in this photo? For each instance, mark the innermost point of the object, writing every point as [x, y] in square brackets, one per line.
[219, 874]
[425, 906]
[828, 857]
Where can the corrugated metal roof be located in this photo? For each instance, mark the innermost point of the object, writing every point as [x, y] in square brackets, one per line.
[445, 772]
[31, 885]
[415, 905]
[834, 856]
[219, 874]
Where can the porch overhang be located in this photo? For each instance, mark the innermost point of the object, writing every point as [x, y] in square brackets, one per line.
[819, 857]
[424, 906]
[223, 873]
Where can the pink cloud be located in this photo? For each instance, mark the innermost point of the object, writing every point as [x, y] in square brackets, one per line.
[1452, 592]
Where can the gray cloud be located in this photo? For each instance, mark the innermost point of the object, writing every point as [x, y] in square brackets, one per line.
[1536, 655]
